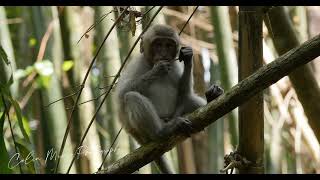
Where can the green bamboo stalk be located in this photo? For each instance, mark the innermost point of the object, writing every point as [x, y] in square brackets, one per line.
[69, 21]
[56, 114]
[92, 160]
[110, 59]
[216, 131]
[6, 43]
[227, 60]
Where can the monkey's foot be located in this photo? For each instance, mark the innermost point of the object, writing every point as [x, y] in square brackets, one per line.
[177, 124]
[184, 125]
[213, 92]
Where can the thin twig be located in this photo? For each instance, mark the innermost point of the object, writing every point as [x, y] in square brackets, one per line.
[94, 25]
[93, 99]
[105, 157]
[42, 48]
[112, 84]
[26, 97]
[104, 87]
[96, 98]
[81, 88]
[201, 23]
[65, 97]
[6, 110]
[144, 14]
[69, 95]
[110, 76]
[185, 24]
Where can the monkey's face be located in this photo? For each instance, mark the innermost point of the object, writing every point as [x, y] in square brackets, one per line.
[163, 49]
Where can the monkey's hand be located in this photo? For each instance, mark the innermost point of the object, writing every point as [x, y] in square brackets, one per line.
[213, 92]
[186, 55]
[179, 124]
[185, 126]
[161, 68]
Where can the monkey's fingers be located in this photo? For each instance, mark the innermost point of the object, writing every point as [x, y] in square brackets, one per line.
[185, 126]
[187, 52]
[213, 92]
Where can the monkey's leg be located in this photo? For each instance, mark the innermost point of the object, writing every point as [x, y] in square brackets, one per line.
[192, 102]
[143, 117]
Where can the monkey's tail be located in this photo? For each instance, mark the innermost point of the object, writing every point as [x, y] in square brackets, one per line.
[164, 166]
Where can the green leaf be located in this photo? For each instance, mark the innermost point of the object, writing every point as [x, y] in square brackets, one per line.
[5, 87]
[26, 126]
[29, 70]
[43, 81]
[3, 56]
[4, 90]
[28, 156]
[67, 65]
[32, 42]
[10, 82]
[19, 117]
[4, 156]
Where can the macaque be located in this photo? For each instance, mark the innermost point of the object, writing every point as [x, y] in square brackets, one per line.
[155, 90]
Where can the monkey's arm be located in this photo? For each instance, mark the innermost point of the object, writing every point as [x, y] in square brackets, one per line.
[140, 82]
[186, 81]
[185, 88]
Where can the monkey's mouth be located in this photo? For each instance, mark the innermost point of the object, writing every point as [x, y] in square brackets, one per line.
[156, 60]
[164, 59]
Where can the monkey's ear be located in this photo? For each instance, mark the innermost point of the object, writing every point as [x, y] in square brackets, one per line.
[141, 45]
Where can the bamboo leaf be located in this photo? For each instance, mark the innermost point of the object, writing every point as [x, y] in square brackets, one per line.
[19, 117]
[10, 82]
[32, 42]
[4, 156]
[27, 156]
[133, 26]
[67, 65]
[3, 56]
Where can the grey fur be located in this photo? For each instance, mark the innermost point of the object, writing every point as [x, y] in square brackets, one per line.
[153, 97]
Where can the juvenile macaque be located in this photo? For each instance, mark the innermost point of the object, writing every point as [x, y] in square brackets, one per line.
[155, 90]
